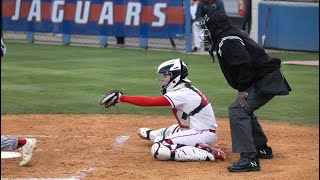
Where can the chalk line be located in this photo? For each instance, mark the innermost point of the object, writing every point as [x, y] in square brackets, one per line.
[77, 176]
[52, 136]
[118, 141]
[10, 154]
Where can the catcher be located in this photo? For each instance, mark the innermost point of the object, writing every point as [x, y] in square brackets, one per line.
[190, 139]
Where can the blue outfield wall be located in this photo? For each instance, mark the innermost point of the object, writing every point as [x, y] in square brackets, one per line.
[130, 18]
[289, 25]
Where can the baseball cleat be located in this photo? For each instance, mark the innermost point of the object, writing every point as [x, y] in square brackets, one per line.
[27, 151]
[264, 153]
[144, 133]
[217, 153]
[245, 164]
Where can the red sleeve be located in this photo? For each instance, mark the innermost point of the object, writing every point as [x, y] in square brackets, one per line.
[145, 100]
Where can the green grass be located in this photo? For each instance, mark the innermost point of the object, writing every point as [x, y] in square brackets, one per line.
[45, 79]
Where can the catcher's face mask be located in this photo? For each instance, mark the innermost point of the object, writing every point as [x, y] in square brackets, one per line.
[212, 26]
[163, 79]
[205, 34]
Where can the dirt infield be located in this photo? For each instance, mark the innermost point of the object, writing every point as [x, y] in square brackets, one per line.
[107, 147]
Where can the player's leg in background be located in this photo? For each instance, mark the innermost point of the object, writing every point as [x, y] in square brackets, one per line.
[196, 37]
[8, 143]
[27, 146]
[27, 150]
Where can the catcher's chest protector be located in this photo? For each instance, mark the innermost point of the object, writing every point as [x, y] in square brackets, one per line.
[203, 103]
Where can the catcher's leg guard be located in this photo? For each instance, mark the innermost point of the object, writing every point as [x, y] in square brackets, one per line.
[180, 153]
[161, 152]
[189, 153]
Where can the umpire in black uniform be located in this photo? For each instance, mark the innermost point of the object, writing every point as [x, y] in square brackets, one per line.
[256, 77]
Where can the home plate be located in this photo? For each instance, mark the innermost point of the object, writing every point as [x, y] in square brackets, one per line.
[9, 154]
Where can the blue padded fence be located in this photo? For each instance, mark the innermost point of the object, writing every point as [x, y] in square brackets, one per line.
[290, 25]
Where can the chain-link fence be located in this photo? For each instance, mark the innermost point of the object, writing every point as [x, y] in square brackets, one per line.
[86, 40]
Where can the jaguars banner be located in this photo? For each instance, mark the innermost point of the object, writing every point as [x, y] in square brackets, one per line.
[134, 18]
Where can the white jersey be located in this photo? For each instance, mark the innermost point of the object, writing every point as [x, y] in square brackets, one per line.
[185, 100]
[193, 10]
[3, 48]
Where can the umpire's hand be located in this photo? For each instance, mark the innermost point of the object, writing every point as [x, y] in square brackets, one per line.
[242, 99]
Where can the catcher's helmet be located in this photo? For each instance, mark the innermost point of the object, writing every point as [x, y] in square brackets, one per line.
[177, 70]
[212, 24]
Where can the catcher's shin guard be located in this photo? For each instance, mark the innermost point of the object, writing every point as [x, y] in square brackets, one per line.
[161, 152]
[189, 153]
[180, 153]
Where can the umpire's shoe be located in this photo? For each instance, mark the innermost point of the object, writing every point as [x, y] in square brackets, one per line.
[264, 152]
[245, 164]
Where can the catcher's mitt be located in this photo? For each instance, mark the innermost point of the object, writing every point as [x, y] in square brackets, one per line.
[110, 98]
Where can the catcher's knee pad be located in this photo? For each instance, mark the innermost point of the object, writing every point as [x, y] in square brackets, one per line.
[189, 153]
[161, 152]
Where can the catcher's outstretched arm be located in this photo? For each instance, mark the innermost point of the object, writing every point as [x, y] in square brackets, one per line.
[145, 100]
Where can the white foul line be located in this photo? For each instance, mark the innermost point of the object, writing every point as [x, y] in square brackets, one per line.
[39, 179]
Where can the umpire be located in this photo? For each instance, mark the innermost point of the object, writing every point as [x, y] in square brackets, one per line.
[257, 79]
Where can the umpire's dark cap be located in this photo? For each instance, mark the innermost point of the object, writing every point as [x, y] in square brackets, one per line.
[218, 18]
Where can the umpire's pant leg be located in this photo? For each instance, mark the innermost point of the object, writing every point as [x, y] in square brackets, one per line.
[255, 102]
[258, 134]
[246, 132]
[241, 129]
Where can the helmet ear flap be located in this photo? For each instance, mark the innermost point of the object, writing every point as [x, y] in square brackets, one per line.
[184, 70]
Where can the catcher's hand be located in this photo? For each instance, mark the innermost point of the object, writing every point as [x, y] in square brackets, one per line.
[111, 98]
